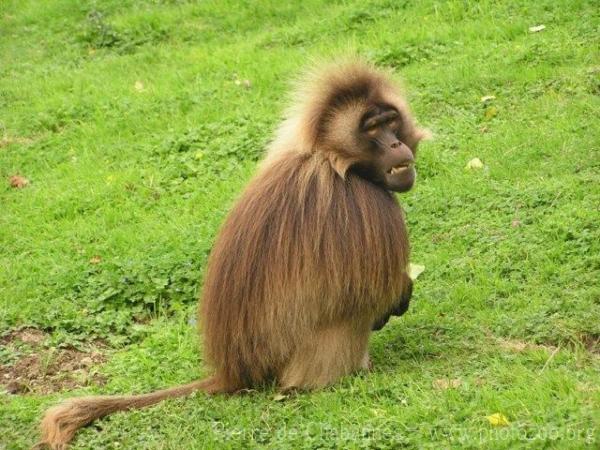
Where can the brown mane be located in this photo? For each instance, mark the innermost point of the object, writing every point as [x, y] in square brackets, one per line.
[321, 224]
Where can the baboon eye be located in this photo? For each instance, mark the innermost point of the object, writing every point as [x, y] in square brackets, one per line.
[372, 131]
[395, 122]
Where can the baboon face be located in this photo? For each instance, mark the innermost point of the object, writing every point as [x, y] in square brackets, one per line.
[386, 158]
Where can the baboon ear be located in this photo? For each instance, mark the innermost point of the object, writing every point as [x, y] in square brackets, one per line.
[419, 134]
[423, 134]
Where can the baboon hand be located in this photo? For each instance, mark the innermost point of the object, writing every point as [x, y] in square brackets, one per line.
[399, 308]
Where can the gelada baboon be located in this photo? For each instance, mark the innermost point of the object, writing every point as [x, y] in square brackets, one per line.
[312, 257]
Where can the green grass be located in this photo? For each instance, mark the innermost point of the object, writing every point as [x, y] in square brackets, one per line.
[143, 178]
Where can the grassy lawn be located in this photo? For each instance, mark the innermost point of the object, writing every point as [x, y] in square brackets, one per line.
[137, 123]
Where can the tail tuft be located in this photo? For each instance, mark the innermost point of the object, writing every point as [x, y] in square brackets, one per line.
[61, 422]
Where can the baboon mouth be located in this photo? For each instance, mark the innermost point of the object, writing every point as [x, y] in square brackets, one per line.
[400, 168]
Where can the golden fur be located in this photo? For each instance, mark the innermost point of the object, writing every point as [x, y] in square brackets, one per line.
[309, 257]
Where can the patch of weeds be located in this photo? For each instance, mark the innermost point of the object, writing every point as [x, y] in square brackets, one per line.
[92, 322]
[387, 6]
[143, 288]
[288, 38]
[543, 53]
[207, 151]
[214, 140]
[98, 33]
[362, 18]
[566, 85]
[116, 300]
[591, 342]
[592, 78]
[55, 120]
[356, 19]
[395, 55]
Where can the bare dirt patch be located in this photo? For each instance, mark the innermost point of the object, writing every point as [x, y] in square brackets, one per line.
[590, 342]
[6, 140]
[446, 383]
[42, 370]
[27, 335]
[18, 181]
[518, 346]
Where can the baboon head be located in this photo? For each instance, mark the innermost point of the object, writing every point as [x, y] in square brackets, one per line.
[363, 125]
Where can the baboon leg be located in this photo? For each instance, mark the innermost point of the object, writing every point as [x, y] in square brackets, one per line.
[366, 363]
[326, 356]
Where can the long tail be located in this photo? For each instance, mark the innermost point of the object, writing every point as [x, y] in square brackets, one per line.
[61, 422]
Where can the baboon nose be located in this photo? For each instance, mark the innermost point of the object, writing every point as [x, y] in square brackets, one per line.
[396, 144]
